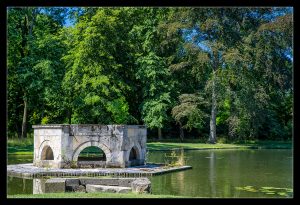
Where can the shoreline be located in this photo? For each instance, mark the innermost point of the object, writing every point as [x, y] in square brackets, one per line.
[169, 146]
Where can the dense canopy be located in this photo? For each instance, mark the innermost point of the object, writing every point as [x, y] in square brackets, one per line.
[183, 72]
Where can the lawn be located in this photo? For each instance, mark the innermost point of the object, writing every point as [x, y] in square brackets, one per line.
[20, 147]
[246, 145]
[25, 147]
[92, 195]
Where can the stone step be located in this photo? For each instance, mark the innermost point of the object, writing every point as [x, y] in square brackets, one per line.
[103, 188]
[123, 182]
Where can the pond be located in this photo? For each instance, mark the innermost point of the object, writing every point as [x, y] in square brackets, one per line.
[215, 173]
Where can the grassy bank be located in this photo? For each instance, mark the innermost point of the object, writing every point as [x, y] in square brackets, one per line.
[161, 146]
[20, 147]
[25, 147]
[92, 195]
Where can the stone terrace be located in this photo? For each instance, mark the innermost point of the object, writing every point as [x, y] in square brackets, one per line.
[30, 171]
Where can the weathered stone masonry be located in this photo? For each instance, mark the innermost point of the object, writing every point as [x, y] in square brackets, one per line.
[56, 146]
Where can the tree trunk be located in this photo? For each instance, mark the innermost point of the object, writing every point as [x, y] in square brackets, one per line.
[159, 133]
[18, 130]
[70, 115]
[212, 134]
[231, 132]
[24, 123]
[181, 132]
[17, 123]
[35, 12]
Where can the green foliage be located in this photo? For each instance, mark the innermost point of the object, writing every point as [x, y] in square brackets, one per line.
[161, 67]
[175, 159]
[119, 110]
[189, 111]
[154, 111]
[154, 75]
[45, 120]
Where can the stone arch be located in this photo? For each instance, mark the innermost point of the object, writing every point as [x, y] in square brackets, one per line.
[46, 144]
[133, 154]
[89, 144]
[136, 149]
[47, 153]
[97, 155]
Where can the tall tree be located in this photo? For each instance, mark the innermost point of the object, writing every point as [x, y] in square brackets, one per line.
[32, 38]
[152, 68]
[214, 33]
[96, 81]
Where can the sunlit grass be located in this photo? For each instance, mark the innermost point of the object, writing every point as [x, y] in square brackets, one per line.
[170, 146]
[25, 147]
[92, 195]
[20, 147]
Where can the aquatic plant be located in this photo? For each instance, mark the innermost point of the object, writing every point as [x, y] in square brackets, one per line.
[286, 192]
[175, 159]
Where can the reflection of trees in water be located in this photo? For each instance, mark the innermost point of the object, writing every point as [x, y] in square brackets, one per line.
[177, 178]
[19, 186]
[24, 184]
[224, 179]
[224, 173]
[212, 174]
[234, 169]
[181, 182]
[38, 186]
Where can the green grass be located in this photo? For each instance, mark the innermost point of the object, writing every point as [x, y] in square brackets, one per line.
[92, 195]
[25, 147]
[20, 147]
[247, 145]
[170, 146]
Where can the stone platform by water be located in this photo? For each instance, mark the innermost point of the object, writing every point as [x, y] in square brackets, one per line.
[30, 171]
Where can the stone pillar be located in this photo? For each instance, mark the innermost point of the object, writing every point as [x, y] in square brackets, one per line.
[48, 138]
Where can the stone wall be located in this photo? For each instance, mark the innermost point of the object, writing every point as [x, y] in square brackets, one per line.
[67, 142]
[117, 185]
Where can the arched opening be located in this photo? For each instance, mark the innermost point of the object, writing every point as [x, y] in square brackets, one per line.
[91, 157]
[47, 153]
[132, 155]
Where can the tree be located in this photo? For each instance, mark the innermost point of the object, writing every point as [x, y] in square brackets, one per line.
[214, 34]
[152, 69]
[33, 52]
[163, 67]
[154, 75]
[95, 80]
[255, 70]
[189, 113]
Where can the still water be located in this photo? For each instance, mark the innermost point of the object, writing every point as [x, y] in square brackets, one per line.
[215, 173]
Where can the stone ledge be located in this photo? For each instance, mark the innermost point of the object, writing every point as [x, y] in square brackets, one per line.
[87, 125]
[113, 185]
[30, 171]
[123, 182]
[49, 126]
[105, 188]
[55, 185]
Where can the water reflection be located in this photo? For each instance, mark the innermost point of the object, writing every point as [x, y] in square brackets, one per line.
[19, 185]
[39, 186]
[214, 173]
[217, 173]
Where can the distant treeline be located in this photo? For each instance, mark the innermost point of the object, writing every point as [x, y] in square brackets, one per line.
[183, 72]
